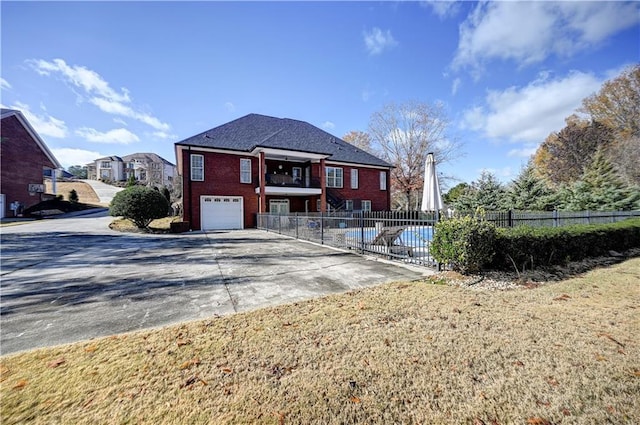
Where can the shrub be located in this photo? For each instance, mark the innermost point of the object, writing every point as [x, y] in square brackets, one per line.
[139, 204]
[73, 196]
[523, 247]
[466, 244]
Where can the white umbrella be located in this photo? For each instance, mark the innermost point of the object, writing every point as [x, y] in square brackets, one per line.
[431, 197]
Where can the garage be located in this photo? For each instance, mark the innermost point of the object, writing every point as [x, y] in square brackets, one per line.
[221, 212]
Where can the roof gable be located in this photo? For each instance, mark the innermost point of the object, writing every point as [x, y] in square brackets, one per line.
[254, 130]
[6, 113]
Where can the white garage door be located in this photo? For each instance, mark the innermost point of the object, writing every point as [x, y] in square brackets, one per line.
[221, 212]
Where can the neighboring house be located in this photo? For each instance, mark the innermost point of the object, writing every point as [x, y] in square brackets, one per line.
[259, 163]
[147, 168]
[24, 158]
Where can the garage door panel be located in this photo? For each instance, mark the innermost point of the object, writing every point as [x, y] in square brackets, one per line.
[221, 212]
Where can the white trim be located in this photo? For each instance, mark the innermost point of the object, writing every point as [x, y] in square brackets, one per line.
[290, 191]
[383, 180]
[191, 156]
[288, 153]
[244, 161]
[353, 164]
[354, 176]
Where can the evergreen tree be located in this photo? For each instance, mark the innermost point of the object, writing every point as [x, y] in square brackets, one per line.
[600, 189]
[529, 192]
[487, 192]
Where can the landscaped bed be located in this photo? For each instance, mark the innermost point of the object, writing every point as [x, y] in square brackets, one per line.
[412, 352]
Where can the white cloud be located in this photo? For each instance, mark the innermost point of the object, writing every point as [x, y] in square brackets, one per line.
[81, 77]
[70, 156]
[376, 41]
[530, 113]
[524, 152]
[230, 107]
[455, 86]
[443, 8]
[500, 173]
[529, 32]
[367, 94]
[4, 84]
[120, 121]
[163, 135]
[100, 93]
[120, 136]
[328, 125]
[45, 125]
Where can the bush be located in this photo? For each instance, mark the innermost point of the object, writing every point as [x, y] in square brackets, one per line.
[73, 196]
[466, 244]
[523, 247]
[139, 204]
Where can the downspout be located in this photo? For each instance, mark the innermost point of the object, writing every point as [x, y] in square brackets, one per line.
[190, 203]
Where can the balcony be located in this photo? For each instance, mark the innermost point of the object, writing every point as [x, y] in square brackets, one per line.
[286, 185]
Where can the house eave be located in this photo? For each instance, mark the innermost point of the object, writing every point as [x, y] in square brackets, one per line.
[290, 191]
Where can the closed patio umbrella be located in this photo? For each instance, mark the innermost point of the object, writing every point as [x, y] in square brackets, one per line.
[431, 196]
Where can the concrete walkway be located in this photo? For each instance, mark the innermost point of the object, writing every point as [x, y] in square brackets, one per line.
[105, 192]
[74, 279]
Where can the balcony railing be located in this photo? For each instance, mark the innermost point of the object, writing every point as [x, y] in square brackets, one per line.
[285, 180]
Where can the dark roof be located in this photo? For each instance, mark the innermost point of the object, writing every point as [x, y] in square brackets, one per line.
[110, 158]
[146, 156]
[254, 130]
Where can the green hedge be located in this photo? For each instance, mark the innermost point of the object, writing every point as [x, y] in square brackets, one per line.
[529, 247]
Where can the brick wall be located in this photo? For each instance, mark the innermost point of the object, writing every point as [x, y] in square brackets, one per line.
[22, 163]
[221, 178]
[368, 187]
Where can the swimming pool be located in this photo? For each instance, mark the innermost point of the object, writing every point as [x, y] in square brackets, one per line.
[413, 236]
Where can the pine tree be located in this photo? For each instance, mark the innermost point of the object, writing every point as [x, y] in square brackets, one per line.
[601, 189]
[529, 192]
[487, 192]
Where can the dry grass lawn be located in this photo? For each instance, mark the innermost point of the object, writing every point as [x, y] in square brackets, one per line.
[86, 194]
[159, 225]
[566, 352]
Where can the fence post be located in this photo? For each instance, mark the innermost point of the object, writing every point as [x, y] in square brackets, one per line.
[362, 232]
[510, 218]
[321, 228]
[296, 224]
[588, 217]
[555, 218]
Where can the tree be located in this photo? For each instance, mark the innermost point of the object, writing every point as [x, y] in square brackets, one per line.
[359, 139]
[73, 196]
[78, 170]
[617, 104]
[563, 156]
[139, 204]
[487, 192]
[624, 154]
[600, 189]
[454, 193]
[405, 133]
[131, 181]
[529, 192]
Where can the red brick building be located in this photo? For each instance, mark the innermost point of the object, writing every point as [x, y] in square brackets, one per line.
[259, 163]
[24, 156]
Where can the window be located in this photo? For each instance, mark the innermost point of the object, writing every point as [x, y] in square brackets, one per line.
[297, 175]
[366, 205]
[383, 180]
[334, 177]
[354, 178]
[348, 205]
[318, 205]
[245, 170]
[155, 165]
[105, 164]
[197, 167]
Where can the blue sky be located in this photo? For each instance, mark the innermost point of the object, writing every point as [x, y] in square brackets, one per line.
[114, 78]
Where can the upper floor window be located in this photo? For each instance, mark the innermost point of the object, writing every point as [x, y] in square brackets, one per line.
[197, 167]
[245, 170]
[348, 205]
[366, 205]
[354, 178]
[383, 180]
[105, 164]
[334, 177]
[155, 165]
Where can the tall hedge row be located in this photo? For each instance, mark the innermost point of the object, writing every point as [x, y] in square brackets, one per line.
[468, 244]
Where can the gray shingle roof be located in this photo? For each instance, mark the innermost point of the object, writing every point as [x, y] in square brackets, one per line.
[254, 130]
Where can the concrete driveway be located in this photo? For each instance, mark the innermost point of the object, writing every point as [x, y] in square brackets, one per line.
[72, 279]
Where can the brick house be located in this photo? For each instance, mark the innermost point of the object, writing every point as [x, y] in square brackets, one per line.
[145, 167]
[24, 158]
[259, 163]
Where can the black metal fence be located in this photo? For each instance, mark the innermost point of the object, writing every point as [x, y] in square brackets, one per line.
[406, 235]
[398, 235]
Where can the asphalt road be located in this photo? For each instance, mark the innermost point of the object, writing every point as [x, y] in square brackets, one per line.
[72, 279]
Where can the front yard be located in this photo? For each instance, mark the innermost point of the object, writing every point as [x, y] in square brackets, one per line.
[409, 352]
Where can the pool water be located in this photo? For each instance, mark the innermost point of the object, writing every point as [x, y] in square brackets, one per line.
[414, 236]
